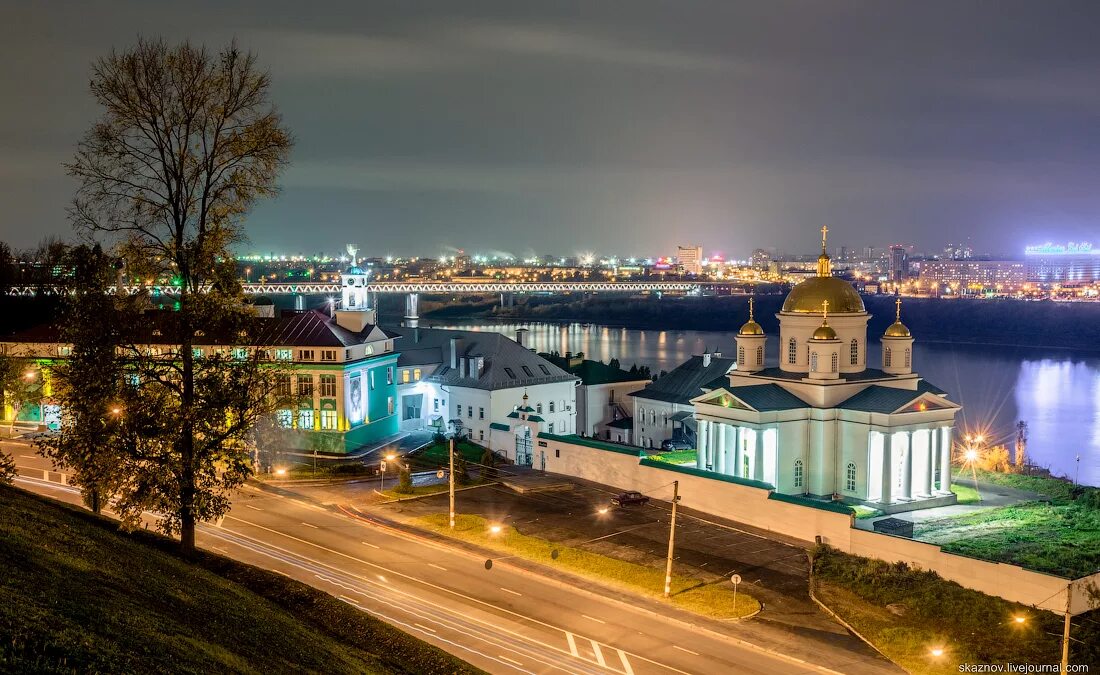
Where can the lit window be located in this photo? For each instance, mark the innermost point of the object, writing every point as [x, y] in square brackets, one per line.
[740, 356]
[305, 385]
[328, 385]
[886, 357]
[284, 354]
[404, 377]
[196, 352]
[305, 418]
[240, 354]
[328, 420]
[305, 354]
[416, 374]
[854, 352]
[284, 418]
[792, 351]
[389, 405]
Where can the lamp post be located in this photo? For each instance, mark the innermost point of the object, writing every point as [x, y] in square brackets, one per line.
[451, 480]
[671, 537]
[382, 466]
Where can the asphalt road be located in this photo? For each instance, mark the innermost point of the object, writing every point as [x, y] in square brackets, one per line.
[502, 620]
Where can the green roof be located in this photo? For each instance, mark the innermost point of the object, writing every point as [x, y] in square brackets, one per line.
[534, 418]
[835, 507]
[594, 372]
[593, 443]
[499, 427]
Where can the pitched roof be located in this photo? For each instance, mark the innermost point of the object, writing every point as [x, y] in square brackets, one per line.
[767, 397]
[507, 365]
[593, 372]
[879, 399]
[622, 423]
[865, 374]
[687, 380]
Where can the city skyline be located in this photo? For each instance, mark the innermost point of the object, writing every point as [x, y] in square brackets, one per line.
[625, 128]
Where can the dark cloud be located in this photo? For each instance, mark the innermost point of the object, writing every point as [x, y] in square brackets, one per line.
[622, 127]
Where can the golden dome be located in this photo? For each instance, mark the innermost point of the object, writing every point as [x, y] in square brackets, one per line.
[897, 329]
[751, 328]
[824, 332]
[807, 296]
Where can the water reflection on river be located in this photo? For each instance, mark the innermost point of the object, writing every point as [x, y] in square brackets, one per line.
[1056, 392]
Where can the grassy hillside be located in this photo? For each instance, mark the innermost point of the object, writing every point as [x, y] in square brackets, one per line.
[78, 596]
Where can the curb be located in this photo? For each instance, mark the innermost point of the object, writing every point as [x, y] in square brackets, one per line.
[433, 494]
[836, 617]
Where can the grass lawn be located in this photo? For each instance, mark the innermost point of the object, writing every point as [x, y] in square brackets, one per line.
[676, 457]
[1058, 538]
[1054, 488]
[964, 494]
[436, 454]
[76, 595]
[325, 469]
[863, 512]
[713, 600]
[421, 490]
[906, 613]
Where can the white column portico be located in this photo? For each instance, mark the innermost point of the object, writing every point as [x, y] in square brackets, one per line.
[719, 436]
[758, 474]
[887, 493]
[906, 465]
[701, 450]
[945, 459]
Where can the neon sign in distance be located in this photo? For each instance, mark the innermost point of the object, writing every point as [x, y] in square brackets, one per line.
[1071, 248]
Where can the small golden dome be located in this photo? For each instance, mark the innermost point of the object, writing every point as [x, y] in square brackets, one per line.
[751, 328]
[824, 332]
[897, 329]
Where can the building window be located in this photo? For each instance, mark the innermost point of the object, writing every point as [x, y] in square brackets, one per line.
[328, 354]
[544, 370]
[798, 473]
[435, 405]
[284, 418]
[551, 406]
[481, 434]
[305, 418]
[389, 405]
[538, 408]
[196, 352]
[834, 362]
[404, 376]
[813, 362]
[240, 354]
[527, 371]
[886, 357]
[854, 352]
[458, 410]
[760, 355]
[305, 385]
[908, 357]
[328, 385]
[370, 349]
[305, 354]
[557, 451]
[481, 413]
[282, 385]
[347, 355]
[64, 351]
[389, 375]
[550, 428]
[328, 420]
[792, 351]
[371, 378]
[510, 373]
[740, 356]
[284, 354]
[850, 481]
[416, 374]
[470, 411]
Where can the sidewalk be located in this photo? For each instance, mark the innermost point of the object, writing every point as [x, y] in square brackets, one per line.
[775, 572]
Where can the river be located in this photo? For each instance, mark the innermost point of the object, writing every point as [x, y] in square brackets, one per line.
[1056, 392]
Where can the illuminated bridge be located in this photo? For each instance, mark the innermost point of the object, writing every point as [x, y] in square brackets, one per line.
[310, 288]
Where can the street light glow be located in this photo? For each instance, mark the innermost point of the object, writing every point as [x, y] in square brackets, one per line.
[495, 529]
[971, 455]
[1019, 619]
[390, 457]
[937, 651]
[603, 511]
[280, 471]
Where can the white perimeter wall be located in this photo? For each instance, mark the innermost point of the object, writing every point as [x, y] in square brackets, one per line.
[750, 505]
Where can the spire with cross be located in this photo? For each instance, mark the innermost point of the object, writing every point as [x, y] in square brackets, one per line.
[824, 312]
[824, 234]
[897, 314]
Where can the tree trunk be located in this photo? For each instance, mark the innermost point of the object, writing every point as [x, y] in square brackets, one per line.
[187, 442]
[93, 500]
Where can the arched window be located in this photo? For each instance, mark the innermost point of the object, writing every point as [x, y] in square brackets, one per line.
[908, 358]
[855, 352]
[886, 357]
[538, 408]
[792, 351]
[798, 473]
[760, 355]
[813, 362]
[850, 482]
[740, 356]
[834, 363]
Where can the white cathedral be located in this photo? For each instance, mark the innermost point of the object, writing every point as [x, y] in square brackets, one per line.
[823, 424]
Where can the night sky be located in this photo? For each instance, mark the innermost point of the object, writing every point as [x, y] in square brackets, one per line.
[613, 127]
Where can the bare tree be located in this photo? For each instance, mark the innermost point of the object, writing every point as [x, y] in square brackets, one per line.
[188, 142]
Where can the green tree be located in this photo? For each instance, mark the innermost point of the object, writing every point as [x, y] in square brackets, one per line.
[462, 467]
[404, 480]
[187, 144]
[21, 381]
[7, 468]
[489, 464]
[87, 385]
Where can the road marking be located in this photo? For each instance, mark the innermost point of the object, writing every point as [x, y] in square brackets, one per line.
[420, 625]
[438, 567]
[599, 654]
[685, 650]
[501, 656]
[626, 664]
[29, 456]
[592, 618]
[572, 644]
[347, 599]
[508, 590]
[254, 508]
[309, 525]
[367, 543]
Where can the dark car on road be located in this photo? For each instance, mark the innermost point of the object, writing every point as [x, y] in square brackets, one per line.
[628, 498]
[676, 444]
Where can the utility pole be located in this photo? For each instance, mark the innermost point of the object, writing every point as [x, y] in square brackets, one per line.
[1065, 631]
[451, 476]
[671, 537]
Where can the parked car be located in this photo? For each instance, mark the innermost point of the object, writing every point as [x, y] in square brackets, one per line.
[628, 498]
[674, 444]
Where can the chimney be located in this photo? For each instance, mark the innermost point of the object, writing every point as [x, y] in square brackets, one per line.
[521, 335]
[706, 359]
[478, 365]
[456, 347]
[462, 366]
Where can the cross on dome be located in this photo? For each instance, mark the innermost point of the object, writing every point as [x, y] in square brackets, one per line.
[824, 233]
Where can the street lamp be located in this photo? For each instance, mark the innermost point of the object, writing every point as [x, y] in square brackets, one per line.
[382, 471]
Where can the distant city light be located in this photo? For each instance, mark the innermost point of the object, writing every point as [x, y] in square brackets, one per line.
[1071, 248]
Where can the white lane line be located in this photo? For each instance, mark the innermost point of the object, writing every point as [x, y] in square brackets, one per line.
[592, 618]
[626, 664]
[685, 650]
[254, 508]
[422, 626]
[367, 543]
[508, 590]
[572, 644]
[599, 654]
[438, 567]
[346, 599]
[310, 525]
[29, 456]
[501, 656]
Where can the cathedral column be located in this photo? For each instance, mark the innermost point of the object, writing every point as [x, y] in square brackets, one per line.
[759, 468]
[886, 495]
[931, 451]
[701, 445]
[733, 434]
[907, 467]
[720, 448]
[738, 451]
[945, 459]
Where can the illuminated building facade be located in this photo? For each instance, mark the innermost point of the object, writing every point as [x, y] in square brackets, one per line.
[1058, 264]
[1003, 274]
[690, 259]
